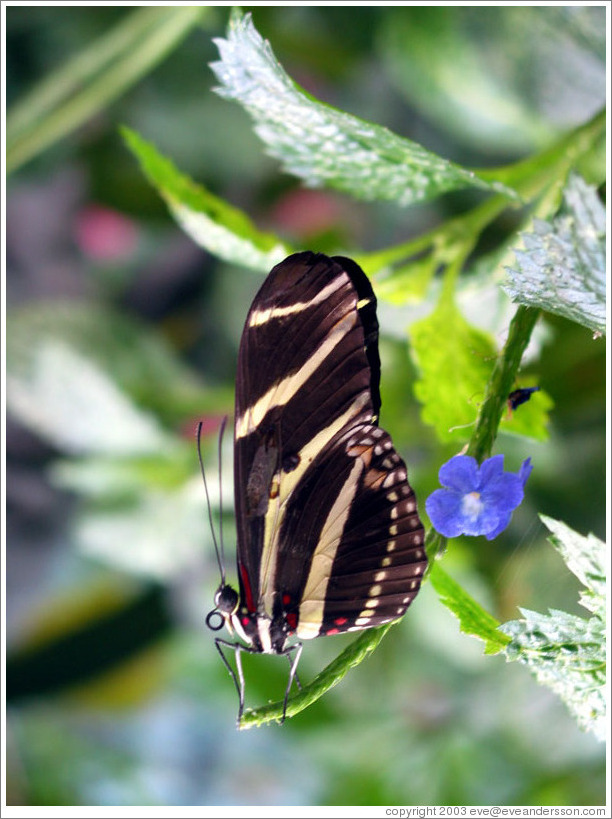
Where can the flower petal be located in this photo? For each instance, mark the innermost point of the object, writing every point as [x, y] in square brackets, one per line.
[478, 500]
[525, 470]
[490, 469]
[504, 520]
[460, 474]
[504, 493]
[444, 510]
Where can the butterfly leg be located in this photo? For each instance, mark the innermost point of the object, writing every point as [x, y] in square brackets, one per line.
[295, 675]
[237, 650]
[237, 678]
[297, 648]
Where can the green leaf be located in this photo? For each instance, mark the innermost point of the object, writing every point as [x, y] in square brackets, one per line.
[473, 86]
[473, 619]
[586, 558]
[322, 145]
[102, 72]
[565, 652]
[562, 267]
[158, 533]
[454, 360]
[213, 224]
[135, 358]
[407, 284]
[75, 405]
[110, 480]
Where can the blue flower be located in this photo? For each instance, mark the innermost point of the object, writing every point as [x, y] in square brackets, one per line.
[478, 500]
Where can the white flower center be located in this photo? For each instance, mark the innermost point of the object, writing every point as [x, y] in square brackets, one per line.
[471, 505]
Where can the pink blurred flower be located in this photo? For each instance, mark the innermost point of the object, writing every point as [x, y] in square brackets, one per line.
[307, 212]
[104, 234]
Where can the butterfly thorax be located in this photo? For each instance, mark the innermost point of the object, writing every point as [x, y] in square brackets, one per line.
[264, 634]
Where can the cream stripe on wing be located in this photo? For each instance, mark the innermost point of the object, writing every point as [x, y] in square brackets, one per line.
[283, 391]
[259, 317]
[315, 591]
[276, 510]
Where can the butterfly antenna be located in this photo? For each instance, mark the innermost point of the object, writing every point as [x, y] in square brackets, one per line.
[221, 432]
[220, 559]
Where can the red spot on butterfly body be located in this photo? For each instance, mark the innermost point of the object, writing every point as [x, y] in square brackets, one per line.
[340, 621]
[292, 620]
[332, 631]
[247, 588]
[286, 599]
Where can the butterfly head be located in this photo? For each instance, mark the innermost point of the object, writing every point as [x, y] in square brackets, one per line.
[226, 604]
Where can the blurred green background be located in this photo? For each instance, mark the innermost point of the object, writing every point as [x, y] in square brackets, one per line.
[116, 695]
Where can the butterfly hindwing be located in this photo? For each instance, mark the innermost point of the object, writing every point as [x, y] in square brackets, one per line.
[362, 544]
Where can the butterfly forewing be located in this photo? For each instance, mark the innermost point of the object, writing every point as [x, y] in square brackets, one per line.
[303, 376]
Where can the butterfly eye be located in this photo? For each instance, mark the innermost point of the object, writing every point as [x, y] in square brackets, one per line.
[226, 599]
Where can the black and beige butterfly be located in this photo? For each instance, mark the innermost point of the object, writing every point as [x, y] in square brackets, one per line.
[329, 537]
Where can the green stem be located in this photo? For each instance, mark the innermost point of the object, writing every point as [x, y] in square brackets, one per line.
[494, 404]
[328, 678]
[501, 382]
[531, 176]
[473, 618]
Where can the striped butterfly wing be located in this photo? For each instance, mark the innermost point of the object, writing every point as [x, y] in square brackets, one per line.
[319, 489]
[351, 557]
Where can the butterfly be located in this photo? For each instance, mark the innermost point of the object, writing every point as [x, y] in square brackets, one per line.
[329, 538]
